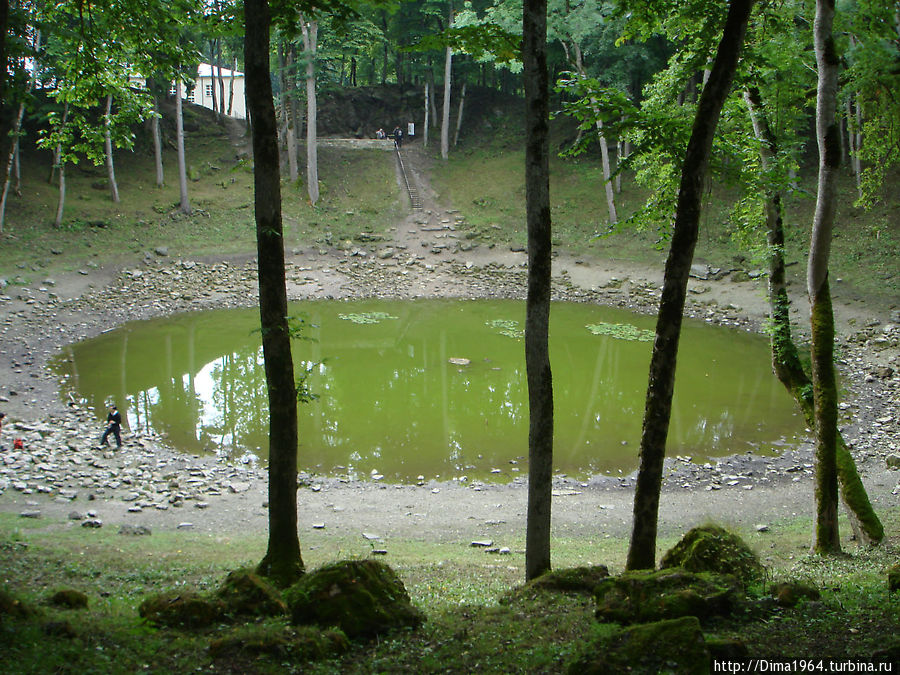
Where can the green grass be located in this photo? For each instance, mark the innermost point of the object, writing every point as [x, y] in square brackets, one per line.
[486, 184]
[359, 193]
[475, 623]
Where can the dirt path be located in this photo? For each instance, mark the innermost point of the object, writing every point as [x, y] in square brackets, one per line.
[60, 474]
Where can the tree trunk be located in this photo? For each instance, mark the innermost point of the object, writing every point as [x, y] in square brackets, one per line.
[459, 114]
[658, 407]
[857, 146]
[432, 90]
[384, 48]
[61, 167]
[847, 126]
[179, 142]
[310, 35]
[157, 142]
[425, 126]
[231, 87]
[537, 308]
[282, 562]
[17, 128]
[827, 536]
[286, 110]
[110, 166]
[221, 77]
[607, 174]
[604, 146]
[212, 79]
[445, 118]
[786, 362]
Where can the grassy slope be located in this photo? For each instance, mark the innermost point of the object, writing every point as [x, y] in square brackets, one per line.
[487, 186]
[459, 589]
[98, 232]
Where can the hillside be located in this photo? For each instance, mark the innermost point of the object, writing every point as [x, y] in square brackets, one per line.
[483, 180]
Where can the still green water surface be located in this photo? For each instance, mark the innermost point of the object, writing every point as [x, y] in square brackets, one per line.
[434, 387]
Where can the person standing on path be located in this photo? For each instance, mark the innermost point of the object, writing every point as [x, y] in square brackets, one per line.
[113, 426]
[398, 137]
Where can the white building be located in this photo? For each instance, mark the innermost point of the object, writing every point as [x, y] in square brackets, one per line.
[202, 91]
[207, 78]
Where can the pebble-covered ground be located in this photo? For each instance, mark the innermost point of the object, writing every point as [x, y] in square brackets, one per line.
[61, 475]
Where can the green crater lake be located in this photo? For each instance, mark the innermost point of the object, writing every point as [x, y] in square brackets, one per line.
[434, 387]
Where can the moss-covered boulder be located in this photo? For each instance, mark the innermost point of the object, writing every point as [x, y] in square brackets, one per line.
[69, 598]
[671, 646]
[245, 593]
[181, 609]
[789, 593]
[572, 579]
[893, 576]
[363, 598]
[641, 596]
[711, 548]
[301, 643]
[12, 607]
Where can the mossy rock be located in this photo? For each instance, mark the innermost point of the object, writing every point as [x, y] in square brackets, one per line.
[670, 646]
[301, 643]
[893, 576]
[572, 579]
[13, 608]
[245, 593]
[363, 598]
[789, 593]
[70, 598]
[711, 548]
[642, 596]
[181, 609]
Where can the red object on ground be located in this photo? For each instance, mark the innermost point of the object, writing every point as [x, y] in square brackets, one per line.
[18, 444]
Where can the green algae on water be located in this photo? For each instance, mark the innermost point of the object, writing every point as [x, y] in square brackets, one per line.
[621, 331]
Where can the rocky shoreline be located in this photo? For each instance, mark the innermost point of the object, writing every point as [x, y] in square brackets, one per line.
[60, 473]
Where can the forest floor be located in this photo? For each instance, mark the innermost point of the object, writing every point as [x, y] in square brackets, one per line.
[426, 257]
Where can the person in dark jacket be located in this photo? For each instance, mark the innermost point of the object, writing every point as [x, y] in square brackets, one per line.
[398, 137]
[113, 426]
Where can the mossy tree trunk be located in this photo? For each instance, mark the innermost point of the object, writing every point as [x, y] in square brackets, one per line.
[282, 562]
[786, 362]
[185, 205]
[661, 384]
[537, 318]
[826, 539]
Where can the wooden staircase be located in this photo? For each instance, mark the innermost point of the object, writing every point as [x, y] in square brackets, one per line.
[414, 199]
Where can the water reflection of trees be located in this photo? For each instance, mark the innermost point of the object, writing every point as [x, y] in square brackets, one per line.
[237, 413]
[389, 398]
